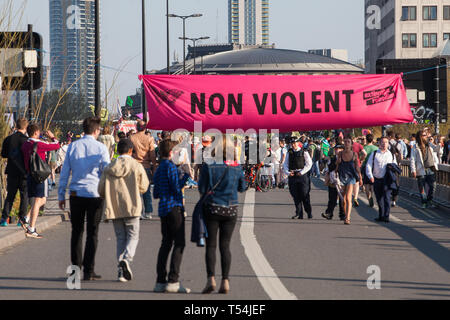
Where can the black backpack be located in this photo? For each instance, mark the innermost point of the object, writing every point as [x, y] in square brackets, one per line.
[39, 169]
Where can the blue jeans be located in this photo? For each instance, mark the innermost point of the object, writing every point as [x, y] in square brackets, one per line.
[315, 169]
[430, 180]
[148, 207]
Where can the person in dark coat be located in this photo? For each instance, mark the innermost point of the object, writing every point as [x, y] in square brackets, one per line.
[15, 170]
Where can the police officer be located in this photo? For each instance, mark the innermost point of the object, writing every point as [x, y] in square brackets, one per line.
[297, 165]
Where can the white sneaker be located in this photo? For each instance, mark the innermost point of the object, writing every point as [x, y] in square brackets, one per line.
[160, 287]
[146, 216]
[176, 288]
[120, 276]
[126, 270]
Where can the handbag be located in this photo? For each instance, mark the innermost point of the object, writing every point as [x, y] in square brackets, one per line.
[39, 169]
[198, 230]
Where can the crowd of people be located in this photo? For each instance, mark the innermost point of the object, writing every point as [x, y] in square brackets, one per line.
[111, 176]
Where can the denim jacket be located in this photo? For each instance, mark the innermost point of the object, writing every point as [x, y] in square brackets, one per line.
[226, 192]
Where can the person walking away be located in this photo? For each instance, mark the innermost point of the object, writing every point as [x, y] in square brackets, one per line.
[52, 164]
[85, 160]
[108, 140]
[144, 153]
[121, 186]
[349, 174]
[424, 165]
[37, 192]
[314, 152]
[360, 156]
[334, 186]
[297, 165]
[282, 183]
[376, 170]
[167, 189]
[368, 185]
[221, 210]
[15, 170]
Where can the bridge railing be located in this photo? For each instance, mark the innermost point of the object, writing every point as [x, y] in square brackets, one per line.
[442, 192]
[442, 176]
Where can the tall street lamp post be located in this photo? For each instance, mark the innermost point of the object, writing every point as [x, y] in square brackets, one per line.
[195, 15]
[194, 40]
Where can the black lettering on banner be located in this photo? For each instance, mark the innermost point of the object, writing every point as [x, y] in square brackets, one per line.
[260, 105]
[329, 101]
[302, 103]
[348, 99]
[274, 103]
[283, 103]
[195, 102]
[315, 101]
[221, 105]
[233, 103]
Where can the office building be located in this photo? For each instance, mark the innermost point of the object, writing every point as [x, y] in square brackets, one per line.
[72, 46]
[340, 54]
[404, 29]
[248, 22]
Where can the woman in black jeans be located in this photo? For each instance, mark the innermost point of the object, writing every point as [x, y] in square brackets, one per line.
[221, 209]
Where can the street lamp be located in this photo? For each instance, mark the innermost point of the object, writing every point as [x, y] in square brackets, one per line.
[194, 40]
[195, 15]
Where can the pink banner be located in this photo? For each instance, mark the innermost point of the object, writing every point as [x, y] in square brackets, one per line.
[286, 103]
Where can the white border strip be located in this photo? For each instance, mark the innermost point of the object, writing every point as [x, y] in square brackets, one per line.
[265, 273]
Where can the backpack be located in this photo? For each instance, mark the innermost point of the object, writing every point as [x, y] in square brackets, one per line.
[394, 150]
[39, 169]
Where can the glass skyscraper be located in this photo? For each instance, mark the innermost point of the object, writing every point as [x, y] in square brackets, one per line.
[72, 46]
[248, 22]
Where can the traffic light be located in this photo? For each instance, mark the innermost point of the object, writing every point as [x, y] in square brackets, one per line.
[16, 60]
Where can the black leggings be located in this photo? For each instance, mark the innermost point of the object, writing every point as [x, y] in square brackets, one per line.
[226, 225]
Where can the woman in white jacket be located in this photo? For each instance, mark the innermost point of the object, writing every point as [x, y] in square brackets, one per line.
[424, 164]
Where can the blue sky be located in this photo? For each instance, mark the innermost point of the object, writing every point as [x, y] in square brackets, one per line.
[294, 24]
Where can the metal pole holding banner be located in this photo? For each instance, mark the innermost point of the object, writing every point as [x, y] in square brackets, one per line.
[144, 53]
[437, 98]
[31, 75]
[383, 128]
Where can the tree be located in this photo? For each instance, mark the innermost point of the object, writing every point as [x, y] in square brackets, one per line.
[72, 109]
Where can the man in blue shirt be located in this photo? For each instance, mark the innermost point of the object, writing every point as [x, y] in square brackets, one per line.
[86, 159]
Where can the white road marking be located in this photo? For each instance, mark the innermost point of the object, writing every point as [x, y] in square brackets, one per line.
[265, 273]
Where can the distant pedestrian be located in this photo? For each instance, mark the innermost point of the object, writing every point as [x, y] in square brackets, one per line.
[334, 186]
[15, 171]
[376, 169]
[221, 210]
[297, 165]
[424, 165]
[108, 140]
[144, 153]
[368, 185]
[121, 186]
[167, 189]
[37, 191]
[85, 160]
[360, 156]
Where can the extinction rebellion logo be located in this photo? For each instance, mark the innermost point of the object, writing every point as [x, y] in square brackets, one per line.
[168, 96]
[378, 96]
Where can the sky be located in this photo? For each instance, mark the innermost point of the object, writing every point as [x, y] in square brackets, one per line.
[293, 24]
